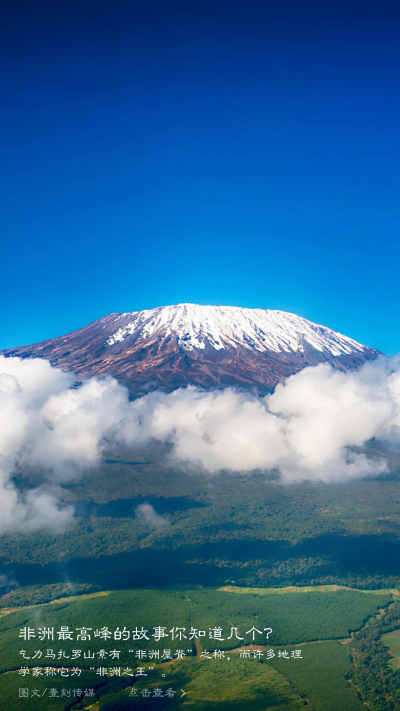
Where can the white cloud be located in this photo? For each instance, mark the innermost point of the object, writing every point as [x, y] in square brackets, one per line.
[45, 422]
[147, 513]
[307, 429]
[7, 583]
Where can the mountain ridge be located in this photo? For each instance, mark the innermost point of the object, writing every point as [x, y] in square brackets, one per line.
[209, 346]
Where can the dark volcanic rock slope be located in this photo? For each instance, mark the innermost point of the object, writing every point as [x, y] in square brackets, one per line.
[209, 346]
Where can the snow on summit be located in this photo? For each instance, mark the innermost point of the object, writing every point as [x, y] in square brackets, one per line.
[210, 347]
[199, 327]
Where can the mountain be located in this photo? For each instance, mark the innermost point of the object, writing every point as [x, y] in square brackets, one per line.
[208, 346]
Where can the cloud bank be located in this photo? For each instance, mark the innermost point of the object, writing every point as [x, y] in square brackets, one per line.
[307, 429]
[46, 423]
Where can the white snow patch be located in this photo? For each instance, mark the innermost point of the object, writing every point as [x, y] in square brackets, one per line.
[196, 327]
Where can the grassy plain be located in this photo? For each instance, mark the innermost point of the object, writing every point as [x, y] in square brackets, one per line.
[217, 684]
[304, 589]
[322, 677]
[293, 618]
[11, 683]
[392, 641]
[209, 683]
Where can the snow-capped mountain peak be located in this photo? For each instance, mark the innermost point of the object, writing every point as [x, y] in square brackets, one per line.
[208, 346]
[198, 327]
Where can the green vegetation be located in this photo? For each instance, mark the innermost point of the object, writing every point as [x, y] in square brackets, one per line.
[293, 618]
[322, 676]
[11, 683]
[305, 589]
[40, 594]
[373, 675]
[392, 641]
[217, 682]
[246, 531]
[311, 561]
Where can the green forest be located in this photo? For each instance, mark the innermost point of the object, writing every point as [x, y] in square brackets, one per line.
[317, 564]
[245, 530]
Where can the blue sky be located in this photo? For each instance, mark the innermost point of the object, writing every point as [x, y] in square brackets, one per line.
[243, 154]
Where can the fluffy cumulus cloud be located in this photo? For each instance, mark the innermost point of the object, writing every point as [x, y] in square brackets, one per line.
[309, 428]
[48, 424]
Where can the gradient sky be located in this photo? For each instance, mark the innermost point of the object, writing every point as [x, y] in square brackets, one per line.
[226, 153]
